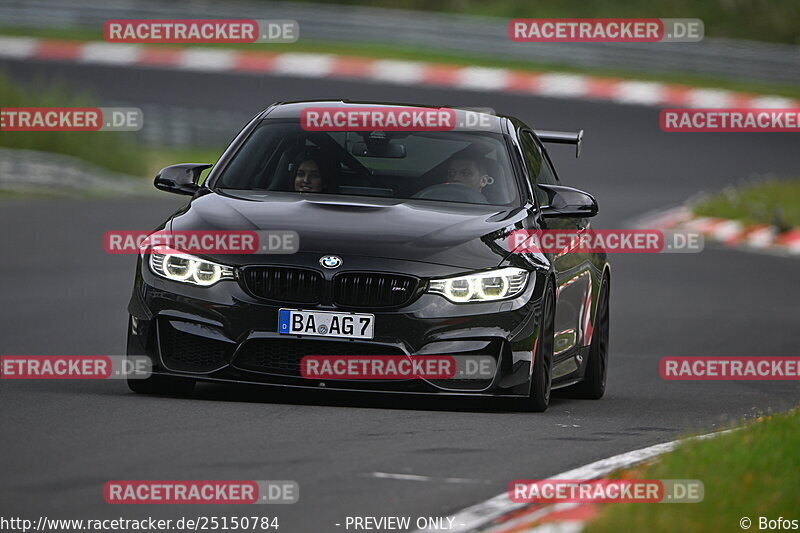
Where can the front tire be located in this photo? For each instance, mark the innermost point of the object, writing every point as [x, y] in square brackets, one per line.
[593, 385]
[541, 377]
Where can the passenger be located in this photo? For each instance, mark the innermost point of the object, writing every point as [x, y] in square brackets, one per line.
[469, 171]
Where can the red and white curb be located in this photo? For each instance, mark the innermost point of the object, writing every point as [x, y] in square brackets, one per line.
[501, 515]
[761, 238]
[418, 73]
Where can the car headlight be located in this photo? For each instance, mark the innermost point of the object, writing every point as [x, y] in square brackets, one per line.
[188, 269]
[483, 286]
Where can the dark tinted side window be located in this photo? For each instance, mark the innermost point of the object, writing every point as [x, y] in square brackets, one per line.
[547, 175]
[539, 170]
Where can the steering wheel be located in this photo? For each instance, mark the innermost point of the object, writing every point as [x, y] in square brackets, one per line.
[457, 192]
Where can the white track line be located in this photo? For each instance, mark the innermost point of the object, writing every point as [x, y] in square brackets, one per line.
[415, 477]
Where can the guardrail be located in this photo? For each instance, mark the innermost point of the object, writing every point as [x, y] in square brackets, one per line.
[189, 127]
[31, 171]
[478, 36]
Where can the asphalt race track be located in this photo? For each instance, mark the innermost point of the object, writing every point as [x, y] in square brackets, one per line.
[62, 294]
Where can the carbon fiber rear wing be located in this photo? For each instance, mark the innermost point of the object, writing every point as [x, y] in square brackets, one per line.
[562, 137]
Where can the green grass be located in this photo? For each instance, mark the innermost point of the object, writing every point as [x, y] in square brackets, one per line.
[425, 54]
[770, 202]
[750, 472]
[115, 151]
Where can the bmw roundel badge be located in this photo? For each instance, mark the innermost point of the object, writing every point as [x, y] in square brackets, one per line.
[330, 261]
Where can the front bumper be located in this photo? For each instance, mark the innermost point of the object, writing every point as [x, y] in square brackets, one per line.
[223, 333]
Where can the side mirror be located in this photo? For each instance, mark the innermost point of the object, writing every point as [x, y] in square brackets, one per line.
[568, 202]
[180, 179]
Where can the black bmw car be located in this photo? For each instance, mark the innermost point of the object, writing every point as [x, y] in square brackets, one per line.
[403, 235]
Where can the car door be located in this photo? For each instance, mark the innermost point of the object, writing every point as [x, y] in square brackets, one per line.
[572, 268]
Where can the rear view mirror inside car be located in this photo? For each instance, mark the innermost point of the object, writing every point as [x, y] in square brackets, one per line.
[389, 151]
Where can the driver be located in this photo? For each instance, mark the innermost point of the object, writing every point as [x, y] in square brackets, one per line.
[469, 171]
[308, 177]
[313, 172]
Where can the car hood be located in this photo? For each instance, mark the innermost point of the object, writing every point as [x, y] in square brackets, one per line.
[460, 235]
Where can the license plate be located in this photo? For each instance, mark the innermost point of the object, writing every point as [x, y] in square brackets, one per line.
[326, 324]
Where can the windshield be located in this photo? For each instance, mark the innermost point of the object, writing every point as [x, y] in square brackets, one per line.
[449, 166]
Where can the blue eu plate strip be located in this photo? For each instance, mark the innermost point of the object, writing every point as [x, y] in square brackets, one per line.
[283, 320]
